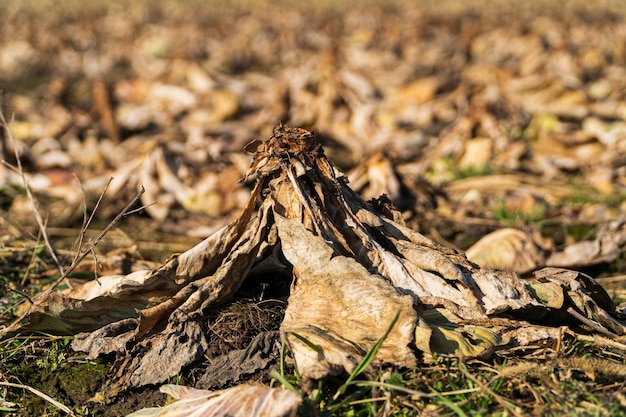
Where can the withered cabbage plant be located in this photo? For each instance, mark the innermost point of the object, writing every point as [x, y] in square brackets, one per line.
[352, 265]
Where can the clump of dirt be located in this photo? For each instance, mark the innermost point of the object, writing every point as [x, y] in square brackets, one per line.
[77, 384]
[47, 366]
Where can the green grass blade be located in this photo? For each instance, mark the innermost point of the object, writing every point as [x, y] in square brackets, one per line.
[307, 342]
[282, 356]
[367, 359]
[451, 405]
[284, 382]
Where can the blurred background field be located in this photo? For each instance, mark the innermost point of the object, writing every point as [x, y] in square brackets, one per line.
[470, 116]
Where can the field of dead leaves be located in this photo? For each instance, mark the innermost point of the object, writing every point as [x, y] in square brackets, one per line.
[495, 128]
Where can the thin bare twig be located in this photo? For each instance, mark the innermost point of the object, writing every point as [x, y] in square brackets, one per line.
[140, 209]
[82, 255]
[93, 243]
[46, 397]
[79, 242]
[601, 341]
[23, 294]
[31, 198]
[96, 264]
[87, 222]
[30, 264]
[82, 251]
[595, 326]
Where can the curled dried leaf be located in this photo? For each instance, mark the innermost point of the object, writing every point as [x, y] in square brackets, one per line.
[240, 401]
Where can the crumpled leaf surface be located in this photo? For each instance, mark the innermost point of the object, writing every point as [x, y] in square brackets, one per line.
[439, 331]
[510, 249]
[241, 401]
[340, 307]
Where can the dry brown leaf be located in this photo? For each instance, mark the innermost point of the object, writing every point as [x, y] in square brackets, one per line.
[477, 155]
[607, 246]
[240, 401]
[339, 306]
[509, 249]
[420, 90]
[375, 177]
